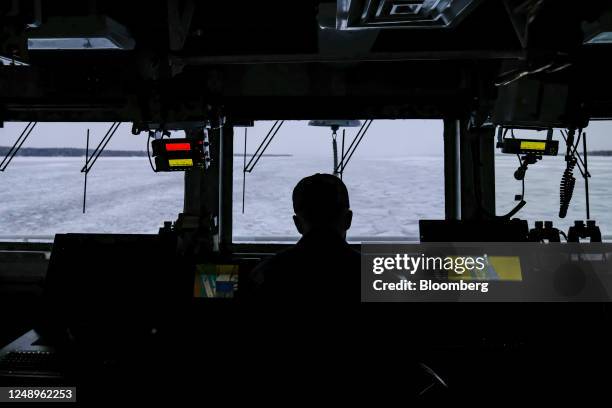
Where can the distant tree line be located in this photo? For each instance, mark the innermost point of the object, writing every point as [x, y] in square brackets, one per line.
[68, 152]
[600, 153]
[80, 152]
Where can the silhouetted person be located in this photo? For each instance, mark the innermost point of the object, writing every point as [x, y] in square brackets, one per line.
[321, 265]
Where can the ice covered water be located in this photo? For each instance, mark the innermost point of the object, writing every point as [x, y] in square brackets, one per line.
[542, 191]
[43, 196]
[387, 196]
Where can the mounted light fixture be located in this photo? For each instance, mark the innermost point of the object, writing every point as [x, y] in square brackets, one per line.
[376, 14]
[598, 31]
[80, 33]
[601, 38]
[334, 125]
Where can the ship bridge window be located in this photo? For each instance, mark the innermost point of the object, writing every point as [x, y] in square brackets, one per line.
[394, 178]
[41, 190]
[543, 180]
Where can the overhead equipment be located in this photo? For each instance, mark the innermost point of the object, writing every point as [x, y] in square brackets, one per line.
[530, 146]
[394, 14]
[528, 151]
[178, 154]
[80, 33]
[334, 125]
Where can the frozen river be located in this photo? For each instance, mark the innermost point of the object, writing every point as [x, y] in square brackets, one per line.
[43, 196]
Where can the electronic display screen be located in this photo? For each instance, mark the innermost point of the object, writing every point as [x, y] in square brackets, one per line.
[216, 280]
[531, 145]
[525, 146]
[496, 268]
[178, 154]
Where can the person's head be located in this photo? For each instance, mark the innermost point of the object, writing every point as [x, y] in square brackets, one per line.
[321, 202]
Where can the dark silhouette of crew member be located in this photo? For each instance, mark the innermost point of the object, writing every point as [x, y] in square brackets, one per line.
[321, 265]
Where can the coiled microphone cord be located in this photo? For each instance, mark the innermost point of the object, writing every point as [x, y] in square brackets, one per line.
[568, 181]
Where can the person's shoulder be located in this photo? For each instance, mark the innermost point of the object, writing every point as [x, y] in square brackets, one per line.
[271, 264]
[352, 253]
[266, 275]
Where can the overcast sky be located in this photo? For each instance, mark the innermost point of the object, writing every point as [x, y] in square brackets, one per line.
[385, 137]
